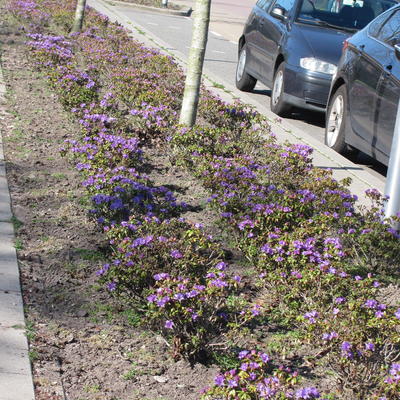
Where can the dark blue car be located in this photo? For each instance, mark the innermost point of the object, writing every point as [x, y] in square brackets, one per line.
[365, 90]
[293, 47]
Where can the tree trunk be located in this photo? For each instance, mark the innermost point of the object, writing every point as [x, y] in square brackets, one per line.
[79, 16]
[195, 64]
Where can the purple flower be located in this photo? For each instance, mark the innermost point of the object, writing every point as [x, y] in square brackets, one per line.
[340, 300]
[307, 393]
[346, 346]
[152, 298]
[329, 336]
[243, 354]
[244, 366]
[161, 276]
[219, 380]
[221, 266]
[371, 303]
[111, 286]
[311, 316]
[218, 283]
[169, 324]
[369, 346]
[176, 254]
[397, 313]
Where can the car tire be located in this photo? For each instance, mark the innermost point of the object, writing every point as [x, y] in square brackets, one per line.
[335, 127]
[244, 81]
[277, 102]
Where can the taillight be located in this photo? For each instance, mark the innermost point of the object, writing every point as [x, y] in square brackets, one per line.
[345, 45]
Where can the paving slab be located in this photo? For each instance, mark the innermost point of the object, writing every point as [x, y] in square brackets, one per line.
[13, 387]
[9, 277]
[5, 210]
[15, 358]
[11, 312]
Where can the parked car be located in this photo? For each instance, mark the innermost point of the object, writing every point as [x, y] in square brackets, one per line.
[293, 47]
[365, 91]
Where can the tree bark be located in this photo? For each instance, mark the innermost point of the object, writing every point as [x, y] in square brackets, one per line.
[195, 63]
[79, 16]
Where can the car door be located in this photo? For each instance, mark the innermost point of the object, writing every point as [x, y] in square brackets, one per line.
[366, 75]
[253, 36]
[272, 30]
[389, 91]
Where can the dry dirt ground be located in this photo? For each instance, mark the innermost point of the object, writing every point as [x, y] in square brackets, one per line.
[81, 346]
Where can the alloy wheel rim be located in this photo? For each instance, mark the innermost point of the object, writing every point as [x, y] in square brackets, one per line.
[277, 89]
[335, 120]
[241, 64]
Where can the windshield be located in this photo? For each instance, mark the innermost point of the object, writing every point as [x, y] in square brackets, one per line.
[343, 14]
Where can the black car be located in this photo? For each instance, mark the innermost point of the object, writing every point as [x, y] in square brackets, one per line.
[365, 91]
[293, 46]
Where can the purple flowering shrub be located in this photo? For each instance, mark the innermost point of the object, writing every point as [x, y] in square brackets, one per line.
[197, 146]
[102, 150]
[292, 294]
[49, 49]
[119, 192]
[390, 387]
[370, 241]
[149, 246]
[236, 117]
[30, 11]
[74, 86]
[256, 379]
[360, 334]
[191, 311]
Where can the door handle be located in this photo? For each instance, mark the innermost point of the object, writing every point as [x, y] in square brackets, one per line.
[389, 67]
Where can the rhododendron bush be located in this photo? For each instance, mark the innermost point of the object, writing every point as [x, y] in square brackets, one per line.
[317, 263]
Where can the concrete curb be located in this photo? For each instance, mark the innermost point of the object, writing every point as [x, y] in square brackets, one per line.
[16, 381]
[183, 13]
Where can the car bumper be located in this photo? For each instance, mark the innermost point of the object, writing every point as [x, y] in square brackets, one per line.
[306, 89]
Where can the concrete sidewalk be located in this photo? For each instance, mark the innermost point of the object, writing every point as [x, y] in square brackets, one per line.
[15, 368]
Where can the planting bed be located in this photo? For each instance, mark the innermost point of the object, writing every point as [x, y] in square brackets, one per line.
[158, 261]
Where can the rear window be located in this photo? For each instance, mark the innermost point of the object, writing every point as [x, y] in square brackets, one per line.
[353, 14]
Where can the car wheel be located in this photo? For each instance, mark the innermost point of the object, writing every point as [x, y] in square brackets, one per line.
[244, 81]
[335, 128]
[278, 104]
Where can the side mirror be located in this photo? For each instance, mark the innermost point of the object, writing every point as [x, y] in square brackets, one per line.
[397, 50]
[279, 13]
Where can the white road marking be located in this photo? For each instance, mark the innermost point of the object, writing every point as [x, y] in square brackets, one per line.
[215, 33]
[217, 51]
[232, 41]
[152, 23]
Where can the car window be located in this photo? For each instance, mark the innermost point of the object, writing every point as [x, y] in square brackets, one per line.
[377, 23]
[388, 29]
[350, 14]
[285, 4]
[264, 4]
